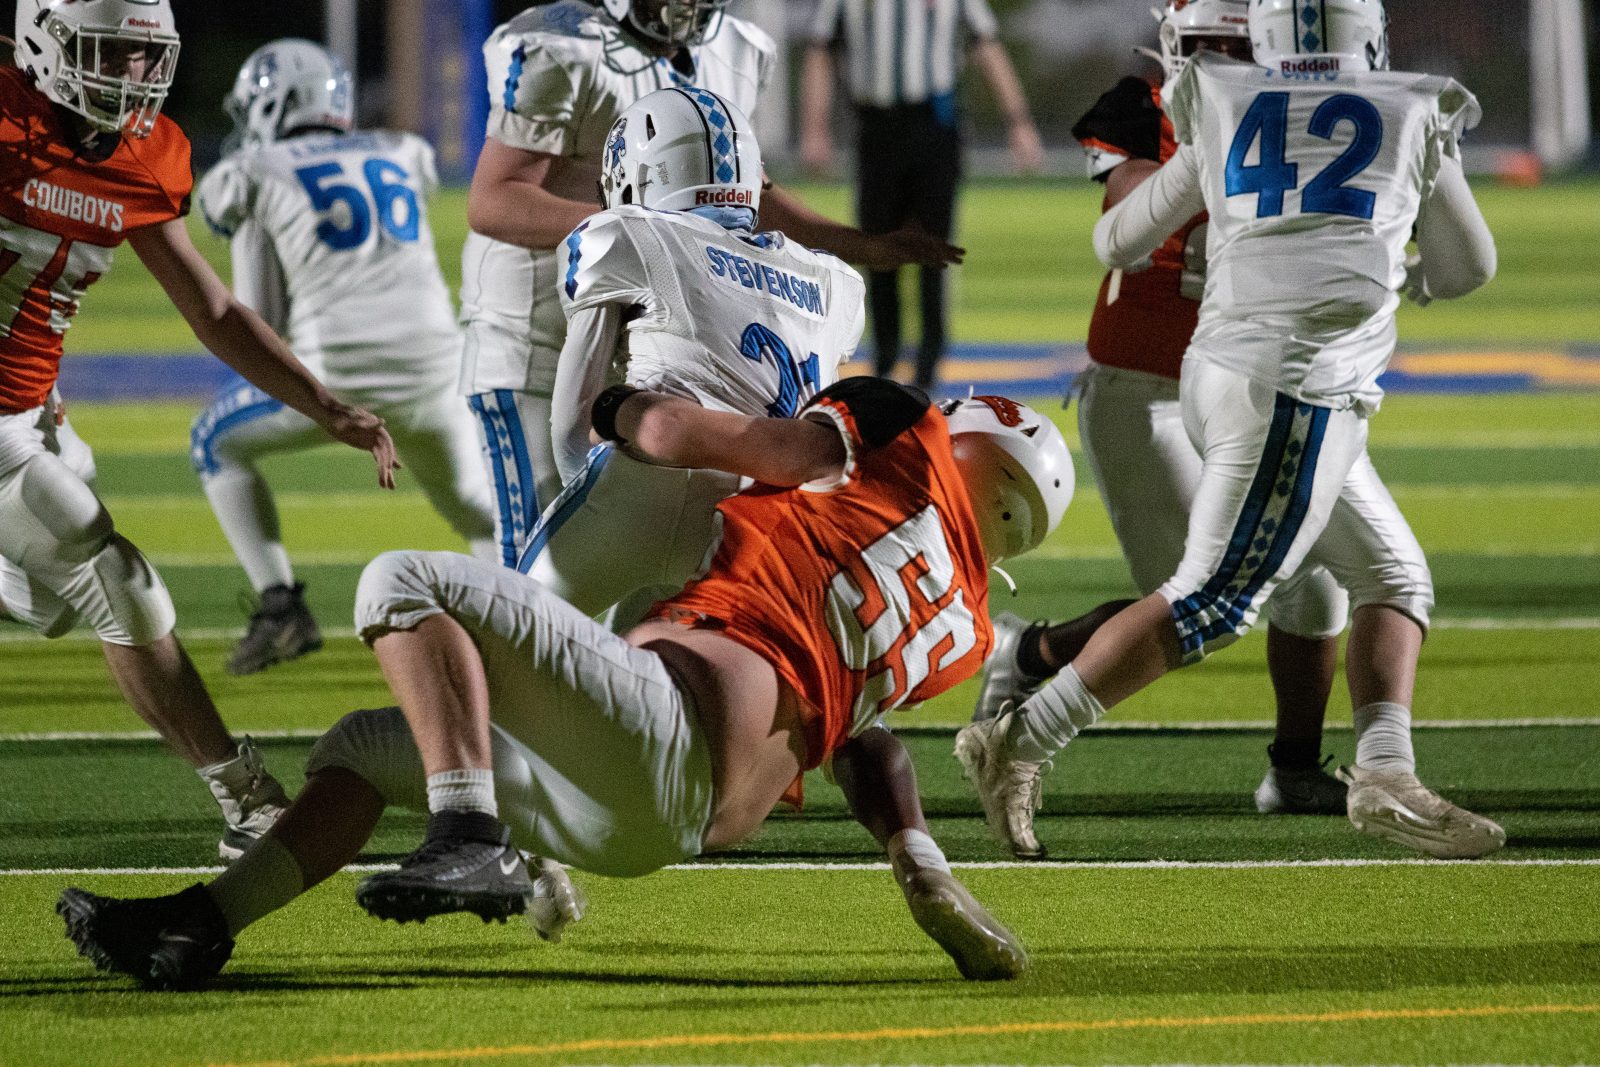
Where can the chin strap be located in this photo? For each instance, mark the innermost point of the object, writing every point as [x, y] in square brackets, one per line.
[1009, 583]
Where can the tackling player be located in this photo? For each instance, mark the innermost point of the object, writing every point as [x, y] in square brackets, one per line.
[331, 245]
[86, 162]
[850, 582]
[672, 280]
[559, 76]
[1131, 423]
[1315, 172]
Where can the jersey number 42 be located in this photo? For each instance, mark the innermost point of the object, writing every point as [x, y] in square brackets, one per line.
[1272, 173]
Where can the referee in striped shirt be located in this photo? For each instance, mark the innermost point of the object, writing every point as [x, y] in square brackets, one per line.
[902, 58]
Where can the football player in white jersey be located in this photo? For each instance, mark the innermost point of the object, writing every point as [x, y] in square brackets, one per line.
[330, 242]
[673, 281]
[559, 75]
[1315, 163]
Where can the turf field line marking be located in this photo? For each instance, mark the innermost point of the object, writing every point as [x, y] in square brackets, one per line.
[1468, 622]
[868, 865]
[920, 1033]
[1133, 727]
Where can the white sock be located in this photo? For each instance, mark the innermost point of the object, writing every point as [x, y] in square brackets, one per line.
[242, 503]
[462, 791]
[261, 881]
[1052, 717]
[913, 850]
[1383, 738]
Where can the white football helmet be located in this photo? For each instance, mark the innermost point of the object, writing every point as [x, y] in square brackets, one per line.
[1319, 36]
[286, 85]
[1185, 22]
[670, 22]
[1017, 469]
[677, 149]
[110, 61]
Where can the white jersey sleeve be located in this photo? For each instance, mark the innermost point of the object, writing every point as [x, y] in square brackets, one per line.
[539, 66]
[226, 195]
[600, 264]
[258, 279]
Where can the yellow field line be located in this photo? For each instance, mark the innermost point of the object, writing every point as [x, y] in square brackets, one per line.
[915, 1033]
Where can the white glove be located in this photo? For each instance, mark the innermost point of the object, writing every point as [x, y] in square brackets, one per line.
[1415, 287]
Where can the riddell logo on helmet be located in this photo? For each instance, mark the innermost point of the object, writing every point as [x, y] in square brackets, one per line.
[1310, 65]
[1005, 410]
[723, 197]
[141, 24]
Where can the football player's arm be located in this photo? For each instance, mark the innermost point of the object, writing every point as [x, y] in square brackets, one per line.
[1125, 177]
[874, 771]
[908, 246]
[675, 432]
[258, 280]
[1453, 240]
[1149, 214]
[244, 342]
[592, 334]
[509, 202]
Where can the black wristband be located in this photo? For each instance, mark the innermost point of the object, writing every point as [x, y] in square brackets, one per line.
[603, 415]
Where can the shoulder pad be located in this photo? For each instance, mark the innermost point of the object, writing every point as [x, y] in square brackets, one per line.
[754, 35]
[874, 410]
[1125, 120]
[599, 262]
[227, 194]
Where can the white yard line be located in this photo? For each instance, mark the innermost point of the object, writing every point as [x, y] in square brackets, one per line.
[997, 865]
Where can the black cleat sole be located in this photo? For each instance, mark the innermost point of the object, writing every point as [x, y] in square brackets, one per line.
[403, 905]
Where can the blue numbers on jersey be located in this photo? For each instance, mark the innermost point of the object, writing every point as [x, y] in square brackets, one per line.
[1268, 120]
[760, 344]
[394, 202]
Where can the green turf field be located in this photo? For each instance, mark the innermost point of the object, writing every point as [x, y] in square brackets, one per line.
[1032, 275]
[1175, 925]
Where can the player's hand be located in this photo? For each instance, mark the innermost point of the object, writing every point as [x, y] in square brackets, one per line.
[1413, 287]
[909, 246]
[1027, 149]
[364, 430]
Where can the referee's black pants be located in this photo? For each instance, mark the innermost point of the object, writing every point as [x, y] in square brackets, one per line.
[908, 163]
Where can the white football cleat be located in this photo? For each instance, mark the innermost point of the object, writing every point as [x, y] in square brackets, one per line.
[1003, 681]
[1008, 789]
[983, 950]
[250, 798]
[556, 902]
[1301, 791]
[1395, 806]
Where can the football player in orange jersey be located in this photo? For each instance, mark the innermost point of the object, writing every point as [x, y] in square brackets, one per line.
[851, 581]
[1133, 437]
[86, 162]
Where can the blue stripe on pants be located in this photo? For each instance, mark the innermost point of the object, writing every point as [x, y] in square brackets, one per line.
[565, 506]
[516, 497]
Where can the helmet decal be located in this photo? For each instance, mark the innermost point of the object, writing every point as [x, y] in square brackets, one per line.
[722, 162]
[1008, 411]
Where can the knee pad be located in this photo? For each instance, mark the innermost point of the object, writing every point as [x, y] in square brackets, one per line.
[395, 593]
[1402, 583]
[377, 746]
[1311, 605]
[129, 604]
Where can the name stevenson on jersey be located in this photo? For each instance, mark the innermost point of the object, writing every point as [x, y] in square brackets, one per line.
[807, 296]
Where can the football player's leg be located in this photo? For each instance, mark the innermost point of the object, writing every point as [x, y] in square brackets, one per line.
[436, 440]
[622, 526]
[876, 775]
[616, 778]
[227, 441]
[1307, 613]
[514, 440]
[1370, 548]
[60, 535]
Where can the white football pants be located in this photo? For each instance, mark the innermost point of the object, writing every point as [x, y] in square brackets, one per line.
[599, 760]
[61, 558]
[1147, 471]
[623, 527]
[433, 437]
[1282, 483]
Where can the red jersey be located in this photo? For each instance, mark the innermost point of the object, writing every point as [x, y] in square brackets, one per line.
[60, 219]
[866, 595]
[1147, 328]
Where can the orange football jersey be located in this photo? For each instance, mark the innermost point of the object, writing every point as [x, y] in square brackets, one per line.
[60, 219]
[1147, 328]
[866, 595]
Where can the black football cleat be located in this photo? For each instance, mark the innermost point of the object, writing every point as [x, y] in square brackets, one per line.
[466, 863]
[174, 942]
